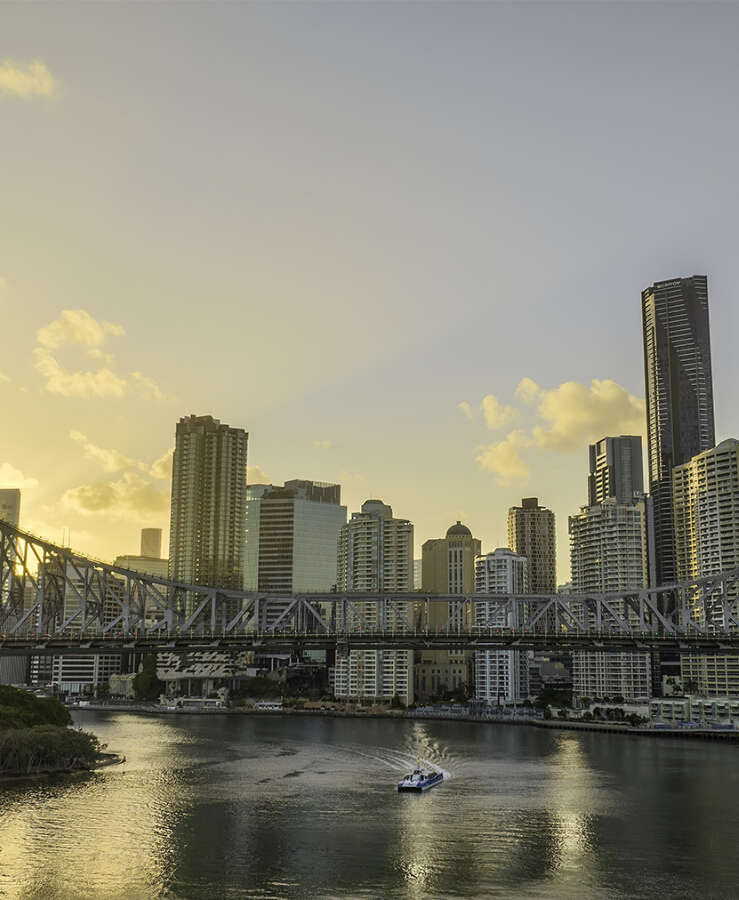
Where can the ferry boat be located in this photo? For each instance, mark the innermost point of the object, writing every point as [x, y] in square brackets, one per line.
[419, 780]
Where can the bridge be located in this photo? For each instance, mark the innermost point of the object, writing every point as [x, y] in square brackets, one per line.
[54, 601]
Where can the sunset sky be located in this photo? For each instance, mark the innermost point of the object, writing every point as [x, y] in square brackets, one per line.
[401, 244]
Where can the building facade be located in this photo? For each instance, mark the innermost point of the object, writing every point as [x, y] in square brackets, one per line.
[679, 396]
[13, 669]
[501, 676]
[706, 511]
[609, 553]
[375, 554]
[447, 567]
[531, 533]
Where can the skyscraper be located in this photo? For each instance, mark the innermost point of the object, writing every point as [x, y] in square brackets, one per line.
[151, 543]
[706, 505]
[616, 469]
[679, 395]
[10, 505]
[208, 503]
[447, 567]
[501, 676]
[375, 554]
[531, 533]
[291, 537]
[13, 670]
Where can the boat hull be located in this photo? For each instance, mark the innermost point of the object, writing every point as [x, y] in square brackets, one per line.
[419, 787]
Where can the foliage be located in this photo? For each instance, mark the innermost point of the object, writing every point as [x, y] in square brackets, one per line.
[146, 685]
[552, 697]
[396, 702]
[25, 751]
[22, 709]
[562, 714]
[261, 688]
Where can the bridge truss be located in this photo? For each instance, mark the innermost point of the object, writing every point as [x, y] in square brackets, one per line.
[56, 601]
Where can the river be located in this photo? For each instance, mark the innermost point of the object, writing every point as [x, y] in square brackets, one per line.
[239, 806]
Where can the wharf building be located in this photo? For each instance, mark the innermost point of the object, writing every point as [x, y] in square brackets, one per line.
[375, 554]
[679, 396]
[501, 676]
[448, 567]
[609, 552]
[206, 537]
[706, 510]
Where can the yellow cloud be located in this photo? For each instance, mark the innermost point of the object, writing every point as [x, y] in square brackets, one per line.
[76, 326]
[131, 497]
[503, 458]
[10, 477]
[323, 445]
[466, 408]
[527, 391]
[26, 80]
[4, 377]
[149, 385]
[162, 467]
[101, 383]
[576, 414]
[110, 460]
[496, 416]
[254, 475]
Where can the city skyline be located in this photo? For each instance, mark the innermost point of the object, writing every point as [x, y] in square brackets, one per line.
[335, 336]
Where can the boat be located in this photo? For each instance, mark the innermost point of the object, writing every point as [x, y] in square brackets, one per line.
[420, 780]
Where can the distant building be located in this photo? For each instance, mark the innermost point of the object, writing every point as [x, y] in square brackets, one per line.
[448, 567]
[151, 543]
[10, 505]
[417, 574]
[531, 533]
[616, 469]
[375, 554]
[679, 396]
[501, 676]
[706, 510]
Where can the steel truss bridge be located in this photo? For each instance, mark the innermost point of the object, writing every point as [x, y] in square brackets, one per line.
[54, 601]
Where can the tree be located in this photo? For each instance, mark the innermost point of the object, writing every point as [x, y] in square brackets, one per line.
[146, 685]
[562, 714]
[396, 702]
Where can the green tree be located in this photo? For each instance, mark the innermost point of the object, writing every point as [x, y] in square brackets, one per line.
[396, 702]
[146, 685]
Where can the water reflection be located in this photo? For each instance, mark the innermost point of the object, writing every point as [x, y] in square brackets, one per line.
[260, 807]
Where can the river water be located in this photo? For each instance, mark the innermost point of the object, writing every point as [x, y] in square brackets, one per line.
[239, 806]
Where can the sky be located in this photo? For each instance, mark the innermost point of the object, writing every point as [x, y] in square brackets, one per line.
[402, 245]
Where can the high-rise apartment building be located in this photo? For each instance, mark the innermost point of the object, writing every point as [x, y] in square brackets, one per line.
[609, 553]
[706, 508]
[679, 396]
[13, 669]
[616, 469]
[531, 533]
[447, 567]
[501, 676]
[208, 503]
[375, 554]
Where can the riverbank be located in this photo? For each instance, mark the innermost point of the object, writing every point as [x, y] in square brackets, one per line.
[558, 724]
[105, 760]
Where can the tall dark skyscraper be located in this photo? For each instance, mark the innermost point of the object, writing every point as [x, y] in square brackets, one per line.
[615, 469]
[679, 391]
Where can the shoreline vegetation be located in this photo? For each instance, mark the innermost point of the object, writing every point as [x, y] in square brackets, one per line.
[37, 738]
[338, 712]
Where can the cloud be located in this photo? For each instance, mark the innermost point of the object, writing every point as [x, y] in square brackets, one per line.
[254, 475]
[3, 283]
[4, 377]
[496, 416]
[100, 383]
[527, 391]
[110, 460]
[466, 408]
[323, 445]
[26, 80]
[149, 385]
[576, 414]
[162, 467]
[76, 326]
[503, 458]
[131, 497]
[10, 477]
